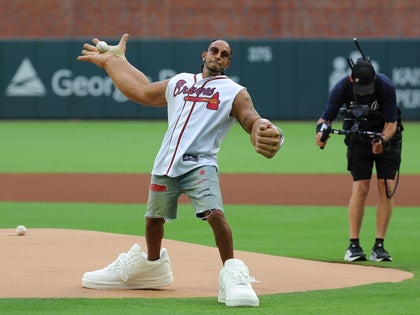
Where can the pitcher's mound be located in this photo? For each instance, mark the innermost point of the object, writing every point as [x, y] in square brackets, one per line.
[49, 263]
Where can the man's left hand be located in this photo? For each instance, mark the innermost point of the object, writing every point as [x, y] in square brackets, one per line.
[377, 146]
[266, 138]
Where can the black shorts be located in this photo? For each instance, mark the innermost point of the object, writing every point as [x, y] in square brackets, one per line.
[360, 160]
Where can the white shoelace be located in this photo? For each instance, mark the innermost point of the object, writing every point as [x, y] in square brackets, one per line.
[241, 277]
[120, 261]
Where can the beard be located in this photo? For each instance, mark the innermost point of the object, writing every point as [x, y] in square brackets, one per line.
[213, 70]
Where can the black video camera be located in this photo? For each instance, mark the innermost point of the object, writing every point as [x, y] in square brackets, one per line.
[355, 111]
[353, 116]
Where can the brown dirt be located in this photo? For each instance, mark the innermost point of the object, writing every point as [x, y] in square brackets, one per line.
[274, 189]
[51, 262]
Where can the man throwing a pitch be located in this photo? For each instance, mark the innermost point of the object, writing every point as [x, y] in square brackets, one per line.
[201, 109]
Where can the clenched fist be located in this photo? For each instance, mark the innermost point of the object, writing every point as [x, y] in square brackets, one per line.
[266, 138]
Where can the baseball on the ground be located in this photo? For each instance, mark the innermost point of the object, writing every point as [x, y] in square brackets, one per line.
[21, 230]
[102, 46]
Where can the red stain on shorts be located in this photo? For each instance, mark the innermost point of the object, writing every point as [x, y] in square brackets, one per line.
[202, 172]
[156, 187]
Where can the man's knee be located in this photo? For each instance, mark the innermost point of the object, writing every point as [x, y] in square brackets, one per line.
[154, 222]
[212, 213]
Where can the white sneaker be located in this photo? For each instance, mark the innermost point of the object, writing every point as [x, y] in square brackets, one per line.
[132, 270]
[235, 287]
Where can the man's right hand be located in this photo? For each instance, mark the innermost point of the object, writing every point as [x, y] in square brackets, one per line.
[322, 133]
[91, 54]
[319, 143]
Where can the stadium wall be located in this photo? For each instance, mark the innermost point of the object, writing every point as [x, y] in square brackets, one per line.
[288, 79]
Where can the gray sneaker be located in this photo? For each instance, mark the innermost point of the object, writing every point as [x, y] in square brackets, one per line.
[235, 287]
[380, 254]
[131, 270]
[354, 253]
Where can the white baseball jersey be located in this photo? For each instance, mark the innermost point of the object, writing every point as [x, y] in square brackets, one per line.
[198, 120]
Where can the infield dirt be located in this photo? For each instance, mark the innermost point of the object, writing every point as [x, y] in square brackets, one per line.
[51, 262]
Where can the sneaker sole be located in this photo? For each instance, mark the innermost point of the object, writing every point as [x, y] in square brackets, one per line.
[373, 258]
[243, 302]
[238, 302]
[155, 283]
[357, 258]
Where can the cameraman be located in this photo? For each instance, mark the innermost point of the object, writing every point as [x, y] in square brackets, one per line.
[382, 118]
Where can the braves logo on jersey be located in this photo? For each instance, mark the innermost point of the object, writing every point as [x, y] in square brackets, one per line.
[198, 94]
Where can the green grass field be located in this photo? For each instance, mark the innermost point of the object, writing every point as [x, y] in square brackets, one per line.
[130, 147]
[310, 232]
